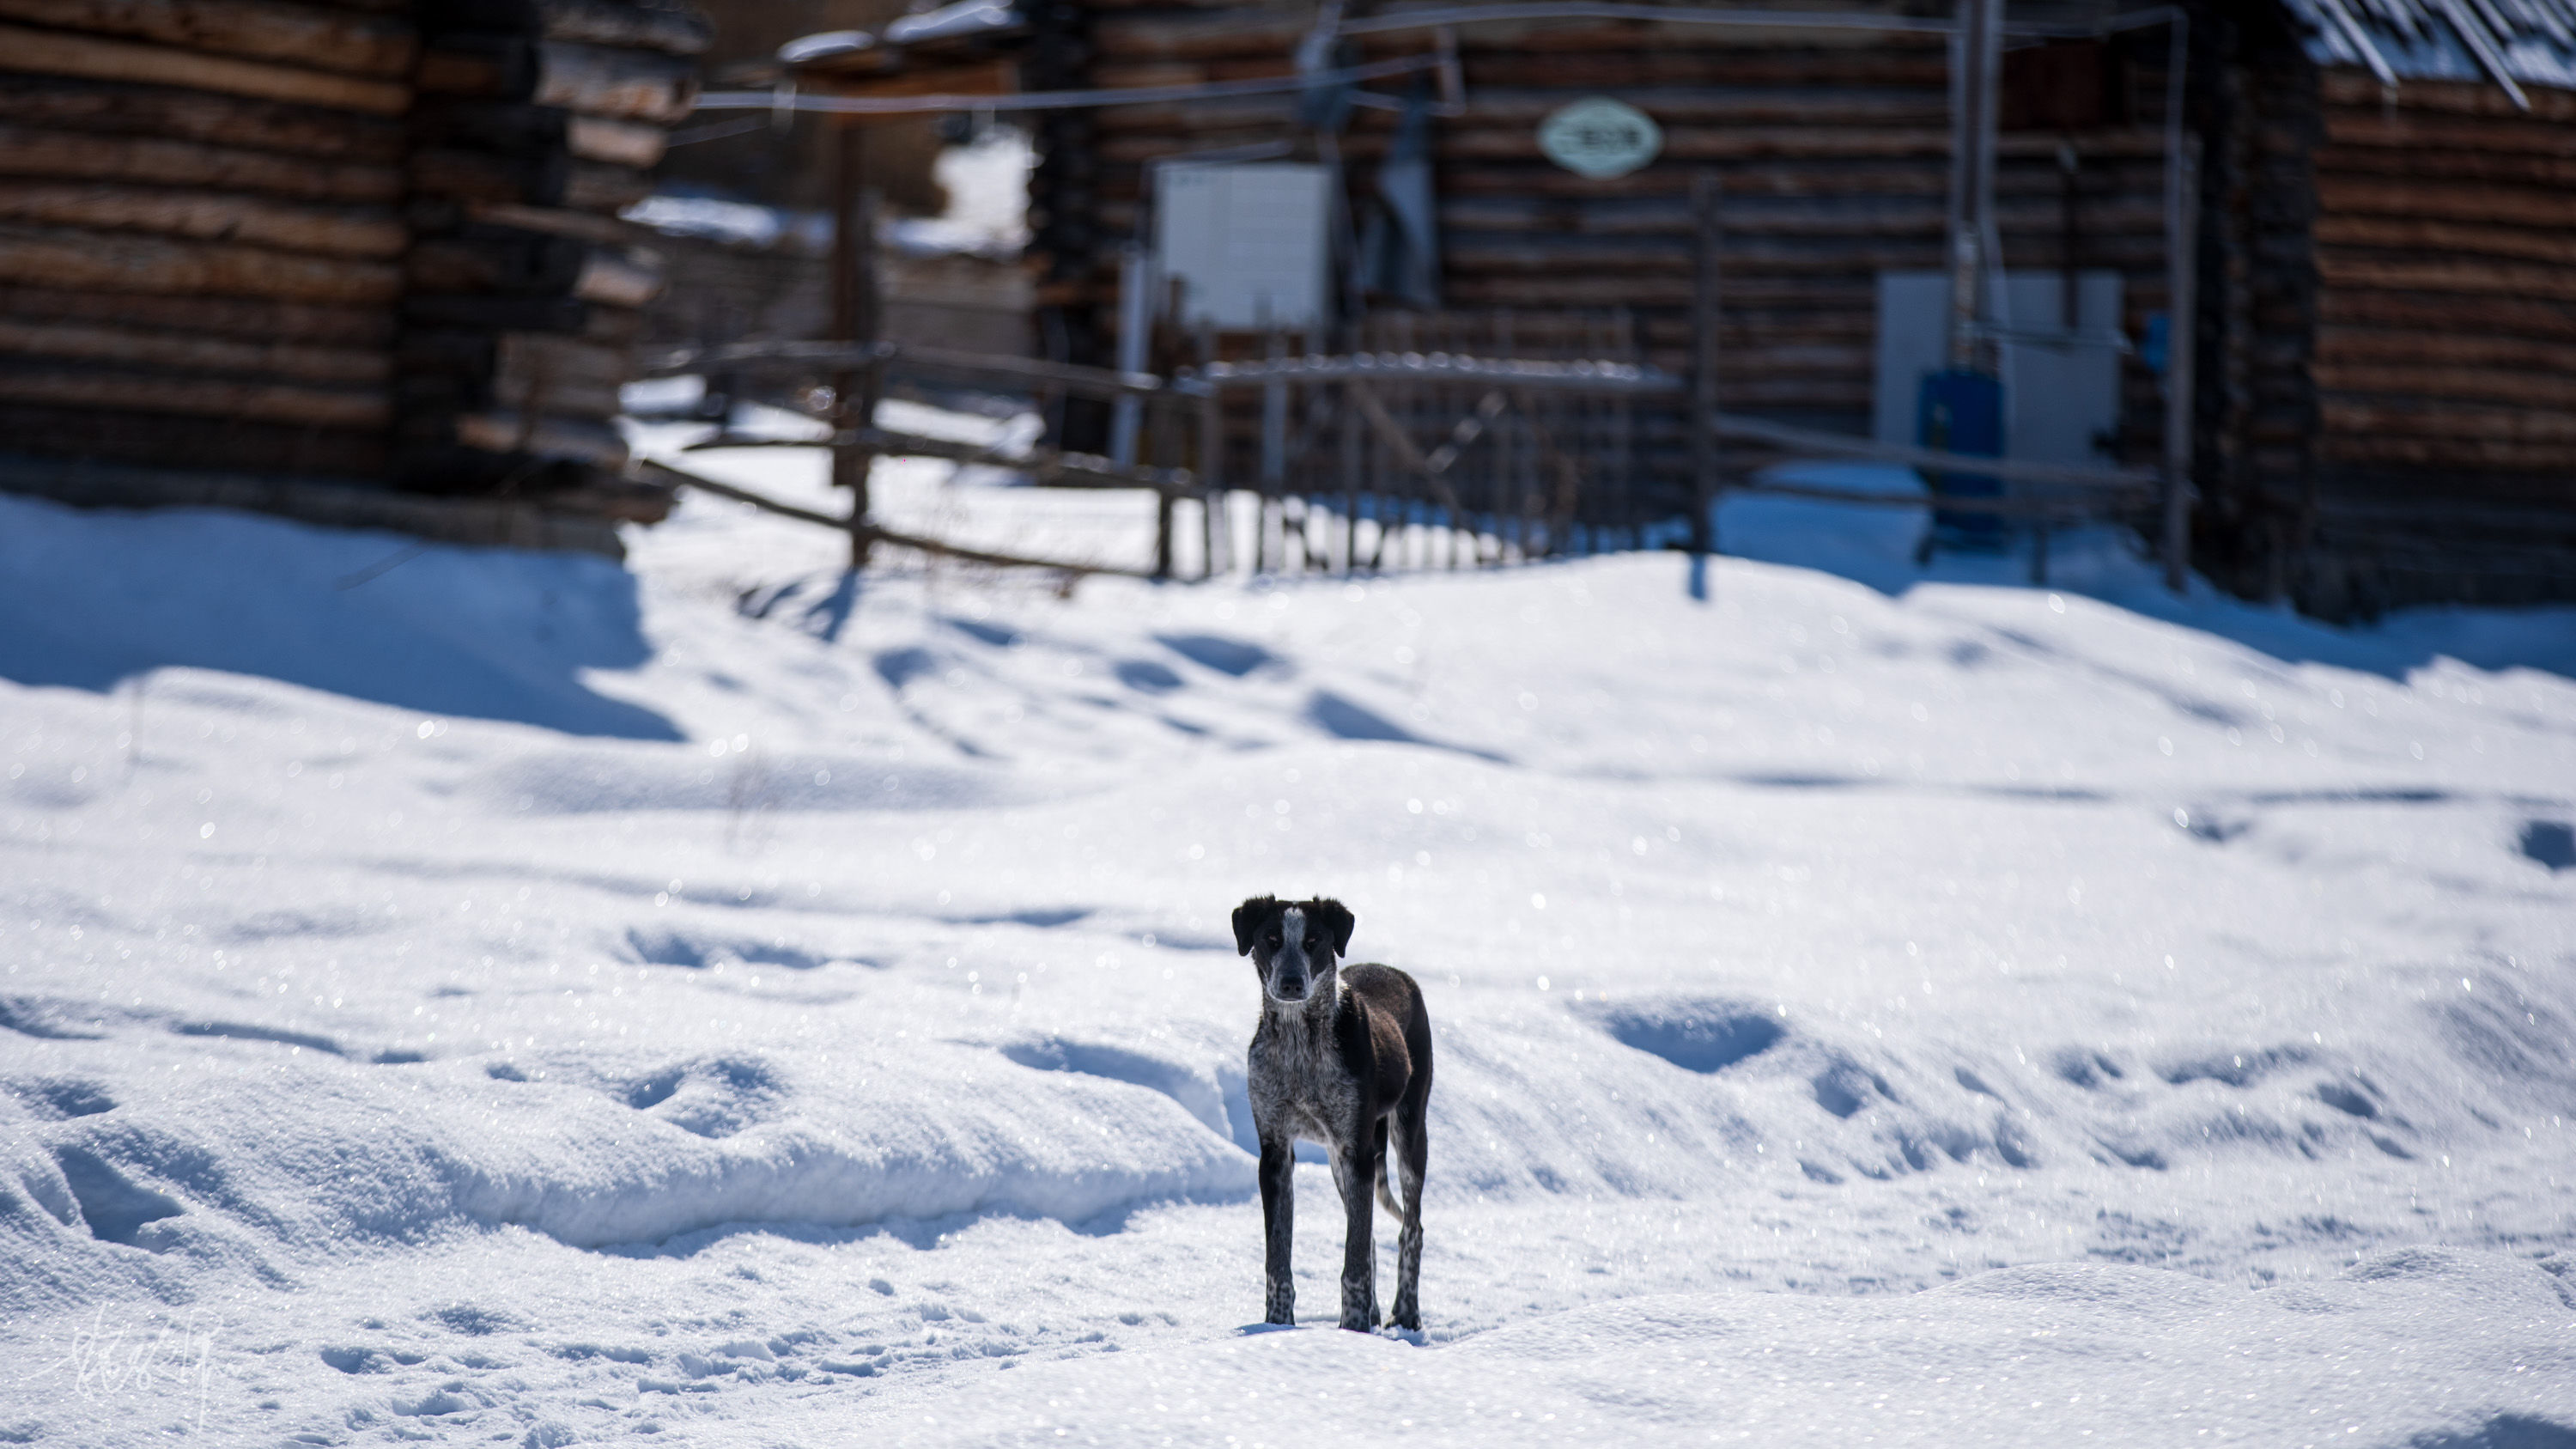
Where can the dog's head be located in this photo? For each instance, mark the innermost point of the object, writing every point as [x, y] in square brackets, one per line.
[1293, 944]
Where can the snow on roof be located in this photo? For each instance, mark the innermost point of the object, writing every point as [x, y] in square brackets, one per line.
[2509, 42]
[2505, 41]
[964, 20]
[740, 222]
[806, 49]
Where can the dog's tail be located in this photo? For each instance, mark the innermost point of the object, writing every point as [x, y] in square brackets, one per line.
[1385, 1190]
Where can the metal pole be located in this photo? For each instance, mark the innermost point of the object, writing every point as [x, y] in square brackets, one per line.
[1977, 77]
[1706, 190]
[1135, 324]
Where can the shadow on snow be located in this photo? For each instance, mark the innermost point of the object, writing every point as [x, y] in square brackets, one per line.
[94, 599]
[1874, 546]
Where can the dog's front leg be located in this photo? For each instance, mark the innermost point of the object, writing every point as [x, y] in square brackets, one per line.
[1355, 1173]
[1279, 1224]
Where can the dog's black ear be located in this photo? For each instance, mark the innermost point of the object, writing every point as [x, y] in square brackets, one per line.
[1337, 919]
[1248, 918]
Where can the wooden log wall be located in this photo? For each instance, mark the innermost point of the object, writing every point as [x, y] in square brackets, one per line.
[537, 122]
[1833, 149]
[2255, 104]
[2445, 348]
[1066, 238]
[201, 233]
[373, 239]
[2387, 328]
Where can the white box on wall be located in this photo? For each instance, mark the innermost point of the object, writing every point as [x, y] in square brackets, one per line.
[1246, 241]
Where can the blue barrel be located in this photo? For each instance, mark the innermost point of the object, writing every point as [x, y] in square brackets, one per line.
[1963, 412]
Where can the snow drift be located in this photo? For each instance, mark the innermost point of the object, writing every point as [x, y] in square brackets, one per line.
[507, 998]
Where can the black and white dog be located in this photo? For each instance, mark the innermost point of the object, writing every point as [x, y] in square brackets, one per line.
[1341, 1058]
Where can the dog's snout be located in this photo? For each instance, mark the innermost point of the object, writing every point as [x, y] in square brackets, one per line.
[1288, 987]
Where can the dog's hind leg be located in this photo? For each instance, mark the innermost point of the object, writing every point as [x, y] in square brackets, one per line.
[1412, 1156]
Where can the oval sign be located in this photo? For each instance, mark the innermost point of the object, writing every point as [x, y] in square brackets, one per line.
[1599, 137]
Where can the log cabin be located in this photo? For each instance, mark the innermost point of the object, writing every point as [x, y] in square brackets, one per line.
[2380, 279]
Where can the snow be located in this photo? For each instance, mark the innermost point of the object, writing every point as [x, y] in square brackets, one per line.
[2016, 1356]
[715, 218]
[986, 182]
[498, 997]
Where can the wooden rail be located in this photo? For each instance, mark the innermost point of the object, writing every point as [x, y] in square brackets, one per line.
[904, 357]
[2042, 508]
[1432, 367]
[1502, 385]
[1841, 445]
[874, 533]
[1044, 465]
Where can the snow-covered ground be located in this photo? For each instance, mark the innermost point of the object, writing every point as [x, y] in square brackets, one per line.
[504, 998]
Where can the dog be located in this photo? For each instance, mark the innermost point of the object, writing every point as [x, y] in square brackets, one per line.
[1342, 1057]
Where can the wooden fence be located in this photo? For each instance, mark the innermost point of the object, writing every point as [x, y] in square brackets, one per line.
[1368, 461]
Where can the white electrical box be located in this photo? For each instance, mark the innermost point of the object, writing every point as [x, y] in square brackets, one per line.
[1246, 242]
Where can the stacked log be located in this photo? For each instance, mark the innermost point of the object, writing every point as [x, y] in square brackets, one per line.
[2255, 439]
[2448, 273]
[230, 239]
[201, 231]
[1833, 149]
[2433, 455]
[537, 122]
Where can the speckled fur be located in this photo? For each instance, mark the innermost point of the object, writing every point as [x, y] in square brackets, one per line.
[1341, 1058]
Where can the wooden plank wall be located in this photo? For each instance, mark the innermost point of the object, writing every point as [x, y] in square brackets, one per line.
[2445, 352]
[1833, 148]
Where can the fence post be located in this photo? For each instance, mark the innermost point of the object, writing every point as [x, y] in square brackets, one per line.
[854, 321]
[1155, 422]
[1704, 315]
[1163, 506]
[1211, 449]
[2182, 301]
[1351, 478]
[1274, 452]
